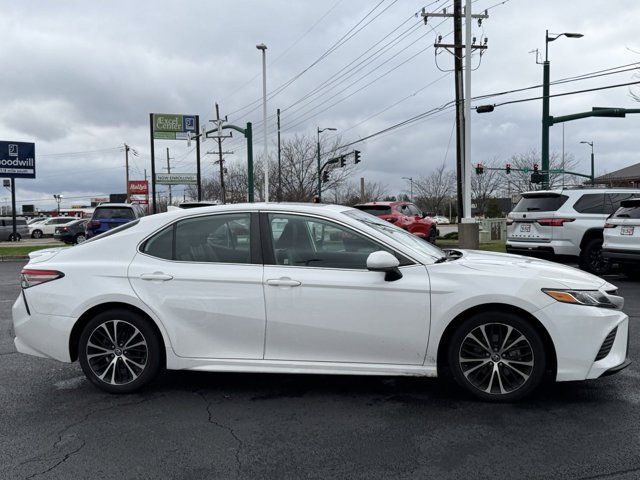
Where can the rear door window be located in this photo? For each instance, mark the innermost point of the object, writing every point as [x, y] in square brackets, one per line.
[591, 203]
[540, 203]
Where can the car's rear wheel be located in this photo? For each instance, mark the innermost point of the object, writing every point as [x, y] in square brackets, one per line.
[592, 260]
[36, 234]
[119, 351]
[497, 356]
[15, 237]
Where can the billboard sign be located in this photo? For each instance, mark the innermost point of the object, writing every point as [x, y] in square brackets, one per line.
[173, 126]
[17, 160]
[176, 178]
[138, 187]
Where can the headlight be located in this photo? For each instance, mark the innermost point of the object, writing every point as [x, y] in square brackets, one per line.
[591, 298]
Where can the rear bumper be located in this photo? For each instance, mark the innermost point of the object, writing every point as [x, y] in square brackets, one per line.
[543, 250]
[621, 256]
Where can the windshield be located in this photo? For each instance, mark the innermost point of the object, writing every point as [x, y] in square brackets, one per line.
[399, 235]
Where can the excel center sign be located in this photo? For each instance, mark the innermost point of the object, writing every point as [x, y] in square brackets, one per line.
[17, 160]
[173, 126]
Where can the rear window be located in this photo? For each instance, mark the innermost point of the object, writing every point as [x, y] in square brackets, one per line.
[376, 210]
[113, 212]
[628, 210]
[540, 203]
[113, 231]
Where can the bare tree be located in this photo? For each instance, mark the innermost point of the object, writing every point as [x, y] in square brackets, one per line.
[520, 181]
[484, 186]
[434, 189]
[348, 193]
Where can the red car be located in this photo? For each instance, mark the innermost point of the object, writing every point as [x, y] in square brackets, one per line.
[405, 215]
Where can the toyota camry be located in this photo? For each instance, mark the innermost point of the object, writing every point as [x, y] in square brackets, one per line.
[297, 288]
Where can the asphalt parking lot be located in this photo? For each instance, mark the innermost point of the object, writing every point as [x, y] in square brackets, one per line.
[54, 424]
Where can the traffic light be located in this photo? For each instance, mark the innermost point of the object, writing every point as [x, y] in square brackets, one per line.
[479, 169]
[325, 176]
[508, 168]
[343, 160]
[356, 155]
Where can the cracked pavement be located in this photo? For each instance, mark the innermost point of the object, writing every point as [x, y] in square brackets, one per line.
[189, 425]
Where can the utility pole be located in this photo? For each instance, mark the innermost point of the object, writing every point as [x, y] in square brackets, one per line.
[169, 171]
[279, 162]
[457, 68]
[220, 159]
[362, 190]
[126, 166]
[463, 105]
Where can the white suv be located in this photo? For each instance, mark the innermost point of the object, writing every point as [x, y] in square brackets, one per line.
[622, 238]
[565, 222]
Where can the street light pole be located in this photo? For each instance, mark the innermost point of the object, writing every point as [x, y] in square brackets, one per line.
[546, 120]
[263, 48]
[593, 163]
[410, 187]
[320, 130]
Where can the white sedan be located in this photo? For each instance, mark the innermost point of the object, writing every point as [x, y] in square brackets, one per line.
[312, 289]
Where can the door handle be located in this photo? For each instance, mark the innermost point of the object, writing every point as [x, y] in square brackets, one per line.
[163, 277]
[283, 282]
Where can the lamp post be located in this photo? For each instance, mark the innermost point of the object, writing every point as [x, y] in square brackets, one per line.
[593, 163]
[320, 130]
[411, 186]
[263, 48]
[546, 122]
[58, 198]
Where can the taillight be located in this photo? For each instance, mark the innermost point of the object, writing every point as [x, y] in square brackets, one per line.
[64, 229]
[609, 225]
[31, 277]
[94, 223]
[554, 222]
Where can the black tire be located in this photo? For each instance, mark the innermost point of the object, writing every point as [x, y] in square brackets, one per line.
[36, 234]
[79, 238]
[632, 272]
[116, 365]
[591, 259]
[15, 238]
[477, 375]
[433, 234]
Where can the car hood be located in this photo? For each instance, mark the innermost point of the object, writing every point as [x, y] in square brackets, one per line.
[519, 266]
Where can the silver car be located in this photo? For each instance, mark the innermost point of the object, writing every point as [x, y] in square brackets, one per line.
[622, 238]
[6, 229]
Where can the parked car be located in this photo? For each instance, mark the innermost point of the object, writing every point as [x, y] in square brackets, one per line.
[110, 215]
[36, 220]
[440, 220]
[565, 222]
[622, 238]
[404, 215]
[220, 289]
[48, 226]
[72, 233]
[6, 229]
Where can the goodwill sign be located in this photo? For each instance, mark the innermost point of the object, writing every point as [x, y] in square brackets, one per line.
[17, 160]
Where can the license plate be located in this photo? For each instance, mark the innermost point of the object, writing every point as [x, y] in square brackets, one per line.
[626, 230]
[525, 227]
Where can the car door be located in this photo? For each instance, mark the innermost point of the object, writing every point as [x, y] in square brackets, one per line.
[202, 276]
[324, 305]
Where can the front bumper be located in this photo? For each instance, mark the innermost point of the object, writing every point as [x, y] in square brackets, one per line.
[578, 333]
[41, 334]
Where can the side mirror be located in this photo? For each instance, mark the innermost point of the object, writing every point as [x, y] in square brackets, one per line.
[382, 261]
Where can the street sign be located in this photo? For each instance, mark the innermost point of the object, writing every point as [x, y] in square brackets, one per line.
[138, 187]
[168, 126]
[176, 178]
[17, 160]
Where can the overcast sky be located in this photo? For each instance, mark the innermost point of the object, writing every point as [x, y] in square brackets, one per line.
[80, 78]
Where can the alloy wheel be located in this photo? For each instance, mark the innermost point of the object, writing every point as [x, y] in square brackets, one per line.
[496, 359]
[117, 352]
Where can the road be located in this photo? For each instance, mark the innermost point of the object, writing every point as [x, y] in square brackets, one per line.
[55, 425]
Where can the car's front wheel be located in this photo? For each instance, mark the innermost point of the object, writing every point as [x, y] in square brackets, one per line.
[15, 237]
[119, 351]
[497, 356]
[80, 237]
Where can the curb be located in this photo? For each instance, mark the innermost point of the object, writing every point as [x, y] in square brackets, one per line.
[13, 258]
